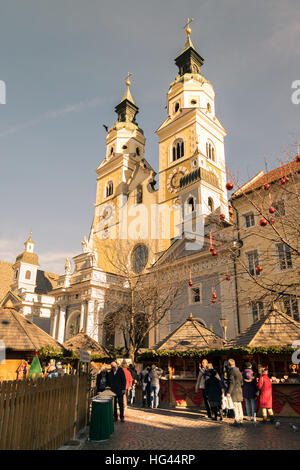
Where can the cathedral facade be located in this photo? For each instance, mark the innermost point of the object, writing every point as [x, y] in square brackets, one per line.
[160, 222]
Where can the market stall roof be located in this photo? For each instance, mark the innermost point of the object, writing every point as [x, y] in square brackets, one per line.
[274, 329]
[85, 342]
[20, 334]
[192, 334]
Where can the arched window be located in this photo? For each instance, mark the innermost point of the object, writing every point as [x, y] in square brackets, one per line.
[210, 203]
[139, 194]
[111, 150]
[176, 108]
[191, 205]
[137, 151]
[28, 275]
[210, 151]
[109, 188]
[178, 149]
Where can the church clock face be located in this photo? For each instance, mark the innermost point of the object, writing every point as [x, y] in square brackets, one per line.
[173, 182]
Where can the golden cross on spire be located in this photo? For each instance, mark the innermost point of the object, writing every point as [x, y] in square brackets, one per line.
[128, 83]
[187, 26]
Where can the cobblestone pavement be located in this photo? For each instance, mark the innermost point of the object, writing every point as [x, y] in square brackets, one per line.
[175, 429]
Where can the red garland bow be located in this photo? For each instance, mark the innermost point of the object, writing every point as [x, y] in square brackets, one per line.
[280, 399]
[181, 394]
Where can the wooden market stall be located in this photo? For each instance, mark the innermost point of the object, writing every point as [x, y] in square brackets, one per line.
[22, 340]
[178, 356]
[82, 341]
[267, 342]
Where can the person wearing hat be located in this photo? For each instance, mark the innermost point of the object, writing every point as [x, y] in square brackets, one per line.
[116, 381]
[249, 390]
[265, 397]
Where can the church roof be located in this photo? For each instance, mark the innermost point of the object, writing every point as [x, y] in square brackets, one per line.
[19, 334]
[192, 334]
[85, 342]
[274, 329]
[30, 258]
[270, 177]
[6, 277]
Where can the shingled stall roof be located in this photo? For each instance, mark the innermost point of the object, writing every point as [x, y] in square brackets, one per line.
[192, 334]
[85, 342]
[274, 329]
[19, 334]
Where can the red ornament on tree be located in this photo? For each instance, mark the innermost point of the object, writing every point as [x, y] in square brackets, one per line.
[263, 222]
[211, 248]
[266, 187]
[297, 159]
[213, 301]
[227, 278]
[258, 269]
[222, 216]
[272, 221]
[191, 283]
[214, 296]
[214, 253]
[229, 186]
[272, 210]
[282, 181]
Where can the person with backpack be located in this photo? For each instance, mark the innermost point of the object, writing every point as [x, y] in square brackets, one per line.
[154, 375]
[249, 390]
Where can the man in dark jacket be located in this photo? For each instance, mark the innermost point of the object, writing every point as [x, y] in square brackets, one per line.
[116, 380]
[235, 382]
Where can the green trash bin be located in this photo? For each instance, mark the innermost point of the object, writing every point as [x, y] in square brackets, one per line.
[101, 425]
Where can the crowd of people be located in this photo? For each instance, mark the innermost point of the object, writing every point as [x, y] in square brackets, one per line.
[224, 393]
[122, 380]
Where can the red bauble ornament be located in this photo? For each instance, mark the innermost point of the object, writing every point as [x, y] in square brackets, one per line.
[214, 253]
[213, 301]
[282, 181]
[287, 179]
[214, 296]
[272, 210]
[227, 278]
[263, 222]
[211, 248]
[266, 186]
[222, 216]
[191, 283]
[297, 159]
[229, 186]
[258, 269]
[272, 221]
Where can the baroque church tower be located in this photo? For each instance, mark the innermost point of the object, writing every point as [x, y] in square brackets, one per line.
[192, 172]
[125, 183]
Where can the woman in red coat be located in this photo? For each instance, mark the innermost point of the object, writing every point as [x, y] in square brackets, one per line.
[265, 398]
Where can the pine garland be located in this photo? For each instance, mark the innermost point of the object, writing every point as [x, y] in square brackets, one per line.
[197, 354]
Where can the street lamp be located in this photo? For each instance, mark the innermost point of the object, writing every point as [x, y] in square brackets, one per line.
[224, 322]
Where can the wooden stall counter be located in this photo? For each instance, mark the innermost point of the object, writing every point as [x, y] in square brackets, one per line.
[180, 392]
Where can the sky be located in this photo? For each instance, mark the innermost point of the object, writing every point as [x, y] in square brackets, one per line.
[64, 64]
